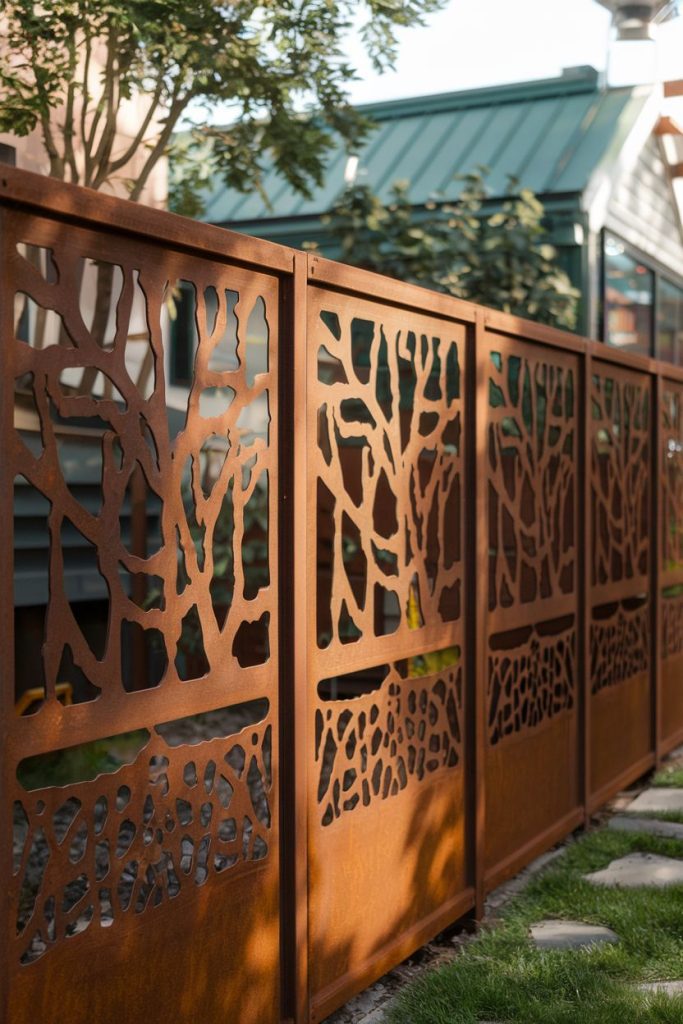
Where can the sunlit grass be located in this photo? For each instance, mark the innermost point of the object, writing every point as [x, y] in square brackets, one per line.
[669, 776]
[502, 977]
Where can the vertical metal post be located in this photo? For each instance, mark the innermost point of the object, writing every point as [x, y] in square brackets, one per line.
[294, 646]
[655, 565]
[478, 582]
[585, 569]
[6, 600]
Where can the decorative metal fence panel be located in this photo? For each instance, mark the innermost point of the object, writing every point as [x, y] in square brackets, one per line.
[531, 465]
[386, 683]
[621, 471]
[140, 787]
[671, 562]
[326, 602]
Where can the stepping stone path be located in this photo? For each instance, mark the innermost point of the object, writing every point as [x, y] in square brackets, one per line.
[655, 800]
[570, 935]
[639, 869]
[667, 988]
[665, 829]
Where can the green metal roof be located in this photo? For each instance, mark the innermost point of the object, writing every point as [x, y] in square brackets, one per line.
[551, 134]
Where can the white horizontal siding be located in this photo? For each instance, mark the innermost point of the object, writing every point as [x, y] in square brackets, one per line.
[643, 211]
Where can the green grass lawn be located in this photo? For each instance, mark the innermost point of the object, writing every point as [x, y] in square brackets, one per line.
[669, 776]
[500, 976]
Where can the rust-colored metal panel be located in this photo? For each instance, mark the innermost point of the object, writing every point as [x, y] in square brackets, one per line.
[671, 564]
[252, 496]
[141, 775]
[387, 834]
[672, 667]
[621, 733]
[511, 770]
[620, 691]
[532, 437]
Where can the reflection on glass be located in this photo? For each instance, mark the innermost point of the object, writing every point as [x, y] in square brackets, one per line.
[629, 294]
[669, 322]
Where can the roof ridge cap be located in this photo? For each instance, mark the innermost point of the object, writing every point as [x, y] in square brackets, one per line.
[535, 88]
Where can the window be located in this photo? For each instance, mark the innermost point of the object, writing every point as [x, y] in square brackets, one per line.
[8, 154]
[669, 322]
[629, 299]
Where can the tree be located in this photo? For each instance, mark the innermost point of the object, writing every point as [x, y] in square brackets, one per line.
[68, 67]
[500, 259]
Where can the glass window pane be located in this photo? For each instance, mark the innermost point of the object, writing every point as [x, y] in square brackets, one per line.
[669, 322]
[629, 292]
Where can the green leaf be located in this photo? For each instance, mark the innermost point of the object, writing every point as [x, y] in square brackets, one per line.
[501, 260]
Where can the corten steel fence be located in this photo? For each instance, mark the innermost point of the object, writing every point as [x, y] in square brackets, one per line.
[382, 595]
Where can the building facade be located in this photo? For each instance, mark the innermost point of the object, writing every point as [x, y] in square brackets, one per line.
[604, 161]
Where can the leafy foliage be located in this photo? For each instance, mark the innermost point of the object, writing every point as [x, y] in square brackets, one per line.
[499, 259]
[68, 68]
[82, 763]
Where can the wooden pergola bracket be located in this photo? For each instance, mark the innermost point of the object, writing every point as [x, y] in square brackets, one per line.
[667, 126]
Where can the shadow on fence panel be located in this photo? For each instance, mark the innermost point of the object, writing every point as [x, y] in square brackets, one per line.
[326, 603]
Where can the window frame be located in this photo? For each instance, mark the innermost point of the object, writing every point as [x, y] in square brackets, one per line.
[659, 271]
[673, 282]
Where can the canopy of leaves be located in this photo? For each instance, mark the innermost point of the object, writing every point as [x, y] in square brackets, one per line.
[499, 259]
[66, 67]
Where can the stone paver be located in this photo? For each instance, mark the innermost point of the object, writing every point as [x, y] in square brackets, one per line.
[657, 799]
[654, 827]
[376, 1016]
[553, 934]
[639, 869]
[669, 988]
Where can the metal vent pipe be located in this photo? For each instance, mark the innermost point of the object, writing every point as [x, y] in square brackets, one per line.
[634, 22]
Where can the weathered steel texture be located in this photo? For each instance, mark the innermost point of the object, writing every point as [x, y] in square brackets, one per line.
[585, 542]
[532, 659]
[477, 591]
[114, 878]
[671, 562]
[387, 695]
[463, 631]
[295, 599]
[621, 471]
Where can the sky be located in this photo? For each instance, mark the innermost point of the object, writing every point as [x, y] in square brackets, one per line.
[473, 43]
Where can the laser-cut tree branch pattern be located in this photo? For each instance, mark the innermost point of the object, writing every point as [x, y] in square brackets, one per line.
[142, 462]
[671, 487]
[373, 747]
[532, 478]
[620, 643]
[531, 677]
[100, 853]
[672, 625]
[620, 477]
[389, 465]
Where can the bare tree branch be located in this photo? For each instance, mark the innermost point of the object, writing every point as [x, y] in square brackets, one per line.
[85, 99]
[102, 105]
[178, 103]
[109, 132]
[121, 161]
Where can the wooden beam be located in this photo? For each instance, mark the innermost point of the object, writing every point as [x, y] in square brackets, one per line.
[673, 88]
[667, 126]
